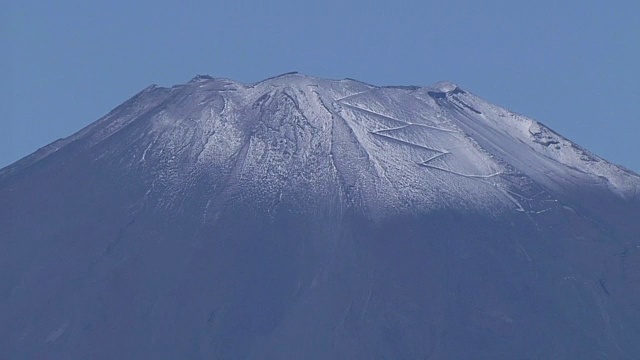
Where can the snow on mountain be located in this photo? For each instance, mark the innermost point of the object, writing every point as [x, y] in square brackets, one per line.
[391, 148]
[304, 218]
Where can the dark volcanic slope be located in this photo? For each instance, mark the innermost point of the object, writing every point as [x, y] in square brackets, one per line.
[301, 218]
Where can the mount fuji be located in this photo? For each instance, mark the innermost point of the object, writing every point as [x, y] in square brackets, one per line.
[304, 218]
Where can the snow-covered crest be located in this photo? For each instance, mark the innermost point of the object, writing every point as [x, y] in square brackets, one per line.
[294, 137]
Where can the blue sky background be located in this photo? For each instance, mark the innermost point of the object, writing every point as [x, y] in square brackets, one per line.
[571, 64]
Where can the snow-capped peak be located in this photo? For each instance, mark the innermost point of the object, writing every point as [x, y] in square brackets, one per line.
[444, 87]
[390, 147]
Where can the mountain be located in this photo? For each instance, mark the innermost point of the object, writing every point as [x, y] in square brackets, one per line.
[303, 218]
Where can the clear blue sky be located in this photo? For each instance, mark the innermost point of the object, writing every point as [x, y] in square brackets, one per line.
[571, 64]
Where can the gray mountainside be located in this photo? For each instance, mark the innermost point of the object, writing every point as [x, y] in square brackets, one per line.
[303, 218]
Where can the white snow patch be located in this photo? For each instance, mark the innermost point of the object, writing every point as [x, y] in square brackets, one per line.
[55, 334]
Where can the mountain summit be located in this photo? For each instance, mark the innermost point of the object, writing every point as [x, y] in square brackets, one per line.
[300, 217]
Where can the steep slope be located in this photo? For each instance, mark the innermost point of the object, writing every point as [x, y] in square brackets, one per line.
[307, 218]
